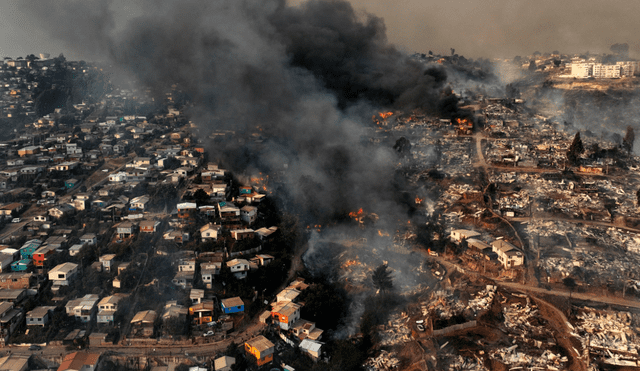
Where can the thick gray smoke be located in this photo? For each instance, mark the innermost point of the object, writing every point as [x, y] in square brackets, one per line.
[309, 77]
[300, 73]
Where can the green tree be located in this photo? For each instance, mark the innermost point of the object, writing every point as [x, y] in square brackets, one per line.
[575, 150]
[629, 138]
[382, 279]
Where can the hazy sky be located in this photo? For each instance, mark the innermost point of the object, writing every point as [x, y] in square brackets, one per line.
[489, 28]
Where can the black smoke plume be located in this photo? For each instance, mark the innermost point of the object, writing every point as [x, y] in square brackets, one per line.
[306, 75]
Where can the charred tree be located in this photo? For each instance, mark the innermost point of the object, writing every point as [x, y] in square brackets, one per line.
[629, 138]
[382, 279]
[575, 150]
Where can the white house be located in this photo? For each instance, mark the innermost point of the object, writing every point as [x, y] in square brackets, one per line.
[209, 232]
[119, 177]
[61, 274]
[239, 267]
[457, 235]
[248, 214]
[509, 255]
[139, 202]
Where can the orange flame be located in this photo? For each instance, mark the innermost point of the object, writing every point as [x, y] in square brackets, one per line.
[463, 122]
[356, 214]
[385, 115]
[350, 263]
[383, 234]
[419, 200]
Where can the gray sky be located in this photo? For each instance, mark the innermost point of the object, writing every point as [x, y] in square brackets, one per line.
[490, 28]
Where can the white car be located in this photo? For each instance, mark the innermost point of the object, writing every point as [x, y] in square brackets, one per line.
[15, 220]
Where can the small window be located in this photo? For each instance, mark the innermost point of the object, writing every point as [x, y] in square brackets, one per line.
[61, 275]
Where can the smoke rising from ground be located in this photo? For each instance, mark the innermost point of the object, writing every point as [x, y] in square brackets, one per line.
[309, 76]
[297, 72]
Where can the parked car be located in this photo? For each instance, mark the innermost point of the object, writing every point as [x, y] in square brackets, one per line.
[15, 220]
[34, 347]
[208, 333]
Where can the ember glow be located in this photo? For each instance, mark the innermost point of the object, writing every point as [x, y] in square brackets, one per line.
[385, 115]
[383, 233]
[356, 214]
[419, 200]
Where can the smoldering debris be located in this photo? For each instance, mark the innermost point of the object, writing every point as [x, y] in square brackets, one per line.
[382, 362]
[396, 331]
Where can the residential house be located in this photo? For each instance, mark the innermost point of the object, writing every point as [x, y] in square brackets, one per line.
[266, 233]
[118, 177]
[16, 280]
[209, 232]
[484, 248]
[184, 279]
[10, 318]
[61, 210]
[14, 362]
[248, 214]
[28, 248]
[89, 239]
[186, 210]
[508, 255]
[107, 308]
[304, 329]
[311, 347]
[232, 305]
[196, 296]
[176, 236]
[286, 314]
[61, 274]
[239, 267]
[75, 249]
[39, 316]
[288, 294]
[108, 262]
[457, 235]
[144, 323]
[241, 234]
[40, 256]
[11, 209]
[80, 361]
[41, 218]
[126, 229]
[262, 259]
[84, 308]
[260, 348]
[187, 265]
[208, 270]
[5, 262]
[228, 210]
[21, 265]
[173, 310]
[223, 363]
[202, 312]
[149, 226]
[16, 296]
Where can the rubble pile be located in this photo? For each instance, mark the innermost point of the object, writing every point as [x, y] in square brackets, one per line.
[460, 363]
[518, 319]
[443, 305]
[545, 361]
[395, 331]
[483, 299]
[609, 330]
[383, 362]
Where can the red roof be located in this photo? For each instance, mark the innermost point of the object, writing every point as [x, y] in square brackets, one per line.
[75, 361]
